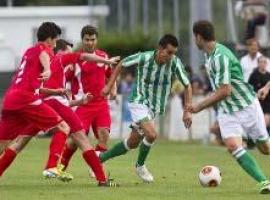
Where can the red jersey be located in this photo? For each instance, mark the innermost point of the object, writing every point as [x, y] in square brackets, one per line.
[25, 82]
[58, 64]
[57, 79]
[91, 77]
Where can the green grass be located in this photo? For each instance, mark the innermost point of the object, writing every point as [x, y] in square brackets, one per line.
[174, 165]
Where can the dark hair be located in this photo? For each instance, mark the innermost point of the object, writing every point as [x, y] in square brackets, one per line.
[62, 44]
[205, 29]
[168, 39]
[88, 30]
[251, 41]
[48, 30]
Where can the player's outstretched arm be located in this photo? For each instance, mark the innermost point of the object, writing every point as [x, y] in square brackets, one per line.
[221, 93]
[95, 58]
[107, 89]
[54, 92]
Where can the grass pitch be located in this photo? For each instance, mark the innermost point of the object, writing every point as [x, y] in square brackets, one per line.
[175, 167]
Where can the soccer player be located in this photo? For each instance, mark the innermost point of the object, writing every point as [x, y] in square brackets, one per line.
[239, 109]
[56, 97]
[155, 70]
[90, 77]
[23, 113]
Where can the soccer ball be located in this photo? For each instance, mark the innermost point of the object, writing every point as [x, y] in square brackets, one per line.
[210, 176]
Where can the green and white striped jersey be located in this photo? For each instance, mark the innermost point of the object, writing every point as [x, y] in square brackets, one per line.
[153, 81]
[224, 68]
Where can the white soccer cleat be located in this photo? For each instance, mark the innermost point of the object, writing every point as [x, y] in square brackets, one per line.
[51, 173]
[56, 172]
[144, 174]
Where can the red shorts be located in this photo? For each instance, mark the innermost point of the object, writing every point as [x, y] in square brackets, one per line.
[96, 115]
[67, 114]
[28, 120]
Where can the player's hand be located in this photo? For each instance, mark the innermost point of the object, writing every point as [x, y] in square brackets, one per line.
[113, 95]
[45, 75]
[105, 91]
[262, 93]
[187, 119]
[114, 60]
[86, 98]
[195, 108]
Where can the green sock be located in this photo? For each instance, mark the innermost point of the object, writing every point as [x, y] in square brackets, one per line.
[116, 150]
[249, 164]
[143, 152]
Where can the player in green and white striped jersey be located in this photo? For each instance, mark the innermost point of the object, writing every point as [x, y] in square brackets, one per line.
[239, 109]
[155, 71]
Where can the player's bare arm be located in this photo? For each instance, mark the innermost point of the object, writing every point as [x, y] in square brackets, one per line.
[95, 58]
[84, 100]
[107, 89]
[44, 59]
[221, 93]
[187, 116]
[54, 92]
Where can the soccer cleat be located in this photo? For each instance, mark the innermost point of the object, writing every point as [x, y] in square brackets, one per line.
[264, 187]
[64, 176]
[144, 174]
[51, 173]
[57, 172]
[108, 183]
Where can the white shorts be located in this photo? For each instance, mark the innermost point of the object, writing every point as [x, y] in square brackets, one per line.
[250, 121]
[139, 113]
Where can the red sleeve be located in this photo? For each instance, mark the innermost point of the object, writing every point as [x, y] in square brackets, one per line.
[69, 75]
[70, 58]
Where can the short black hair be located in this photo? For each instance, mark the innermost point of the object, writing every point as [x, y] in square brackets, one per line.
[48, 30]
[89, 30]
[62, 44]
[168, 39]
[205, 29]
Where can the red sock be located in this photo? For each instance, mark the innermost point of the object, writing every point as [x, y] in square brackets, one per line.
[56, 148]
[93, 161]
[101, 148]
[6, 159]
[66, 156]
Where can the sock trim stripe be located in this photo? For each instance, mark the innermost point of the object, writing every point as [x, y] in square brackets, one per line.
[146, 143]
[238, 153]
[126, 145]
[237, 150]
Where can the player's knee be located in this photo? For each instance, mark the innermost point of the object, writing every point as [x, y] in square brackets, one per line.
[78, 136]
[81, 140]
[64, 127]
[133, 144]
[151, 137]
[232, 147]
[103, 135]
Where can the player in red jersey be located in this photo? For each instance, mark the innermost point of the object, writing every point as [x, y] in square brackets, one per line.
[23, 113]
[56, 97]
[91, 78]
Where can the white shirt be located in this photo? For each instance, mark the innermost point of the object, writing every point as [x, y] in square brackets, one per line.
[248, 65]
